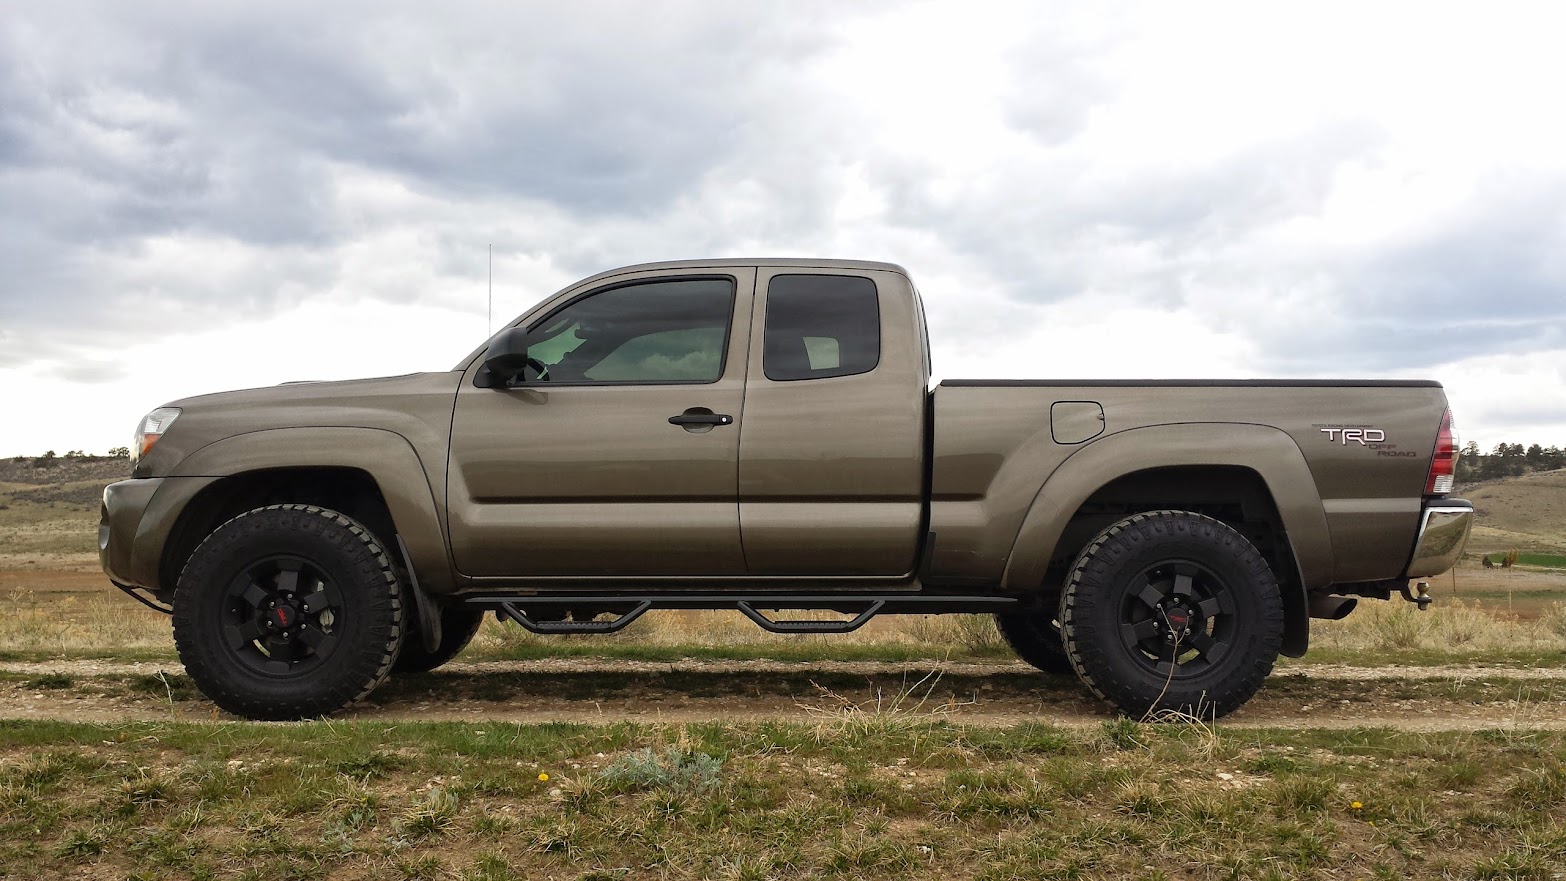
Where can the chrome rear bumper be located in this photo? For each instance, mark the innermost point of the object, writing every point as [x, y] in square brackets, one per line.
[1443, 533]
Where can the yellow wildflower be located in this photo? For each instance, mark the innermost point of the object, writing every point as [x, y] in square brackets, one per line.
[543, 778]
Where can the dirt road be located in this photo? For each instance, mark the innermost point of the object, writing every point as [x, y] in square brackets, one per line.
[1435, 698]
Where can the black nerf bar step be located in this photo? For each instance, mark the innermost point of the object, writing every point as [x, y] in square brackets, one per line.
[819, 626]
[510, 610]
[862, 607]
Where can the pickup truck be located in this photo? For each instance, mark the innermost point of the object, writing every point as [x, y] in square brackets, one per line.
[762, 435]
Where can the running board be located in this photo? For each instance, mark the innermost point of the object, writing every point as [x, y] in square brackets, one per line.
[510, 610]
[820, 626]
[627, 609]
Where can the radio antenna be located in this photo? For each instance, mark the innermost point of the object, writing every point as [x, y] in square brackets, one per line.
[489, 315]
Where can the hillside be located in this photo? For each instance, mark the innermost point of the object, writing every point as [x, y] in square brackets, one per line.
[1527, 512]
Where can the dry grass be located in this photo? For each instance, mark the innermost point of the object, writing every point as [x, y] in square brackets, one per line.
[1527, 512]
[75, 625]
[1454, 626]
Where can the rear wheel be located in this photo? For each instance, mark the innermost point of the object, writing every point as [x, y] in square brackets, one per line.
[458, 626]
[1035, 637]
[288, 612]
[1171, 612]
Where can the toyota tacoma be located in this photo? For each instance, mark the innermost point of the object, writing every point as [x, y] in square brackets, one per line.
[762, 435]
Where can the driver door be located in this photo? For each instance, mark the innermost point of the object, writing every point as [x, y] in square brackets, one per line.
[578, 471]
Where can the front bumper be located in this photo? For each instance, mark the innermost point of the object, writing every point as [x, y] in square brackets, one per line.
[1443, 533]
[134, 524]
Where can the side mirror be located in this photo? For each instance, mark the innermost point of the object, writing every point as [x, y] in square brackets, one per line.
[504, 359]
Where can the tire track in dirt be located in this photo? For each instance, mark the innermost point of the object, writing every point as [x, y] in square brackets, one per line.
[600, 692]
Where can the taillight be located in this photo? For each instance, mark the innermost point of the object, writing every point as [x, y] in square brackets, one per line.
[1443, 465]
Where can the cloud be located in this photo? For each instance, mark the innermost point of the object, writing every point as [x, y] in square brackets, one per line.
[1325, 191]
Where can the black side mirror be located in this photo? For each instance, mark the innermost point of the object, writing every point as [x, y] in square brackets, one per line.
[504, 359]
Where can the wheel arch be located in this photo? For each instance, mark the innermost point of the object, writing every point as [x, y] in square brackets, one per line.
[372, 475]
[1251, 476]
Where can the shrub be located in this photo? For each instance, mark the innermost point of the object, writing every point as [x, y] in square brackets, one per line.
[673, 769]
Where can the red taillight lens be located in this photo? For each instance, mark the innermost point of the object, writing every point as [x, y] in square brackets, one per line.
[1443, 466]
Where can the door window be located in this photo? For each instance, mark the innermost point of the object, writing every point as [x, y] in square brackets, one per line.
[654, 332]
[821, 325]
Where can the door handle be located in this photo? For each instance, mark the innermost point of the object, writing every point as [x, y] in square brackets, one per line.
[700, 416]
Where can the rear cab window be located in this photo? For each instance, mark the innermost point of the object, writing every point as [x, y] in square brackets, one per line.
[820, 326]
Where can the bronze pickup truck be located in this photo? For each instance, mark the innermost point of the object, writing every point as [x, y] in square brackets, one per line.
[761, 435]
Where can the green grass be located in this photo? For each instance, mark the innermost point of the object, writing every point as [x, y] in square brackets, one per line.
[1545, 561]
[873, 798]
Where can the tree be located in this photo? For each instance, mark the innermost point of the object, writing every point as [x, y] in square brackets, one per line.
[1468, 463]
[1554, 457]
[119, 453]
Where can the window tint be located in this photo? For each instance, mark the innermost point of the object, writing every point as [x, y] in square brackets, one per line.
[820, 326]
[666, 331]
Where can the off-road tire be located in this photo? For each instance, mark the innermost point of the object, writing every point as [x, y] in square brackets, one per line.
[458, 626]
[1100, 588]
[343, 550]
[1035, 640]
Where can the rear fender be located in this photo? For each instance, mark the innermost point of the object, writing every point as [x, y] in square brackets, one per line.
[1269, 452]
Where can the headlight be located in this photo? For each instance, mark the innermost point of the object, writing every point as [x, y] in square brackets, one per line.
[151, 428]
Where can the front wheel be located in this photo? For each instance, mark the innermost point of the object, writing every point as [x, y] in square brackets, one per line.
[1171, 612]
[288, 612]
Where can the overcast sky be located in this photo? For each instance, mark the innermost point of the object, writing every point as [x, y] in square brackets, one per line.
[195, 197]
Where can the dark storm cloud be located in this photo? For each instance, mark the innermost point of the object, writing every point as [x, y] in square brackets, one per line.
[122, 124]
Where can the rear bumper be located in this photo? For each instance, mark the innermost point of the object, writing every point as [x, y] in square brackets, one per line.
[1443, 533]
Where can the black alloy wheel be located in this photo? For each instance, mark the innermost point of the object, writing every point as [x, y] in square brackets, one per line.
[1178, 618]
[284, 616]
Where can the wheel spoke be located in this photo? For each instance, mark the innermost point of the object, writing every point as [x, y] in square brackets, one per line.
[315, 638]
[1182, 580]
[1135, 632]
[242, 634]
[255, 595]
[314, 602]
[1213, 606]
[285, 650]
[1210, 649]
[288, 579]
[1150, 596]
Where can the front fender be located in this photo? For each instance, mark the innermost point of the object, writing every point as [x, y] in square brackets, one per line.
[389, 459]
[1267, 451]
